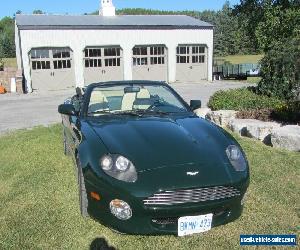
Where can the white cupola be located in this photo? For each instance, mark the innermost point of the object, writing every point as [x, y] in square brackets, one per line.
[107, 8]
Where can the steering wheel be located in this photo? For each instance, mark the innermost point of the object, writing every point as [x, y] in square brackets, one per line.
[157, 103]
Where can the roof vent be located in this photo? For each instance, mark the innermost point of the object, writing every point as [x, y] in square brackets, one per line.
[107, 8]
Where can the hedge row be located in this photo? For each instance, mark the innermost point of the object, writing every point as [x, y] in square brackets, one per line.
[243, 99]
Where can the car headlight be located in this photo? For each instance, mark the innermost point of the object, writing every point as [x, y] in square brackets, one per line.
[236, 158]
[119, 167]
[120, 209]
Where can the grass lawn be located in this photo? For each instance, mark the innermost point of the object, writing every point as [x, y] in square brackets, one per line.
[10, 62]
[39, 203]
[238, 59]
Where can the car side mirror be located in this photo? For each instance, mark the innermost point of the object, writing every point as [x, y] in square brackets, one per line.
[66, 109]
[195, 104]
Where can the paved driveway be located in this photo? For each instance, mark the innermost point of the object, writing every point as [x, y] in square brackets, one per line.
[27, 111]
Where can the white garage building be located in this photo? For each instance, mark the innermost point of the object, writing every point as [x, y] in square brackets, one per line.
[59, 51]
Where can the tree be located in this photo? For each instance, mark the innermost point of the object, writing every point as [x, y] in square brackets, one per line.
[7, 34]
[275, 27]
[38, 12]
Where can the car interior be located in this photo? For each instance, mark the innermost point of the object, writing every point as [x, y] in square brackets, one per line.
[118, 100]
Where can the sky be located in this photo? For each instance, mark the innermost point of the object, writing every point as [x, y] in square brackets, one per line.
[9, 7]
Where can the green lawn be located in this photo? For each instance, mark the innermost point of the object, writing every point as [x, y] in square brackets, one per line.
[10, 62]
[238, 59]
[39, 203]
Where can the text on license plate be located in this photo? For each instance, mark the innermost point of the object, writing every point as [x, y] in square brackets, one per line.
[194, 224]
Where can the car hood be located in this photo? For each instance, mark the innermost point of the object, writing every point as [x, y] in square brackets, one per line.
[158, 142]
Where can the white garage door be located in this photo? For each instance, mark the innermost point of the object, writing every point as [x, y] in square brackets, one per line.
[191, 63]
[150, 63]
[51, 68]
[103, 64]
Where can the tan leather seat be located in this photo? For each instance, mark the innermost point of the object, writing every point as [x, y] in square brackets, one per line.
[127, 101]
[98, 101]
[143, 94]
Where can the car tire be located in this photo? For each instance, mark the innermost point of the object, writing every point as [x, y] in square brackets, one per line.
[83, 201]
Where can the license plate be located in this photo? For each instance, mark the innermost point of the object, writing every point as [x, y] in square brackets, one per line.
[194, 224]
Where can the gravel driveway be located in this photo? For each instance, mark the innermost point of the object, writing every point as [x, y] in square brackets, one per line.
[27, 111]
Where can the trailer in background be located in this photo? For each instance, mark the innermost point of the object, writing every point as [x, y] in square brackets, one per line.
[236, 71]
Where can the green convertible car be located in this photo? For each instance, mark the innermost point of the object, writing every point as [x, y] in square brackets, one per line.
[146, 164]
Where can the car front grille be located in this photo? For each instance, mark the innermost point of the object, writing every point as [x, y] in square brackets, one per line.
[192, 195]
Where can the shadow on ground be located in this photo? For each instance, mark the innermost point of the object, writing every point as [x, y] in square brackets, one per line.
[100, 244]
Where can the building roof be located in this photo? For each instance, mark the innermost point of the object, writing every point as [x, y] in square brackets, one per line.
[111, 22]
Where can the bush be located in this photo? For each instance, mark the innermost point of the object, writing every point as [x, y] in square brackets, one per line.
[1, 64]
[289, 113]
[280, 71]
[258, 114]
[243, 99]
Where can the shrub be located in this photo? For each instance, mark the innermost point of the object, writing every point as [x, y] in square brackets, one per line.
[287, 114]
[290, 113]
[243, 99]
[258, 114]
[280, 71]
[1, 64]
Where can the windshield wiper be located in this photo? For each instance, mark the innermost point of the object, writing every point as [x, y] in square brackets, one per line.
[154, 112]
[129, 112]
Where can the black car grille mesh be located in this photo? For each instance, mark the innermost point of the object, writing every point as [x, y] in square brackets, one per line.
[192, 195]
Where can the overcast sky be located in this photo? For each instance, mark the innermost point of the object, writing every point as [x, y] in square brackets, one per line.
[9, 7]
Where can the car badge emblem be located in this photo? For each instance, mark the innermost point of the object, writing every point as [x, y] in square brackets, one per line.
[192, 173]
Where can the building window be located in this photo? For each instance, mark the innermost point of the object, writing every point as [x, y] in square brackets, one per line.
[36, 65]
[92, 52]
[140, 51]
[183, 50]
[140, 61]
[183, 59]
[102, 57]
[39, 53]
[62, 64]
[112, 62]
[112, 52]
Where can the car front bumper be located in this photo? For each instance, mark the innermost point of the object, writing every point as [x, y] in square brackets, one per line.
[159, 219]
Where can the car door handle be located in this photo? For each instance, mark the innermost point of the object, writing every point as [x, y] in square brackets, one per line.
[191, 67]
[148, 69]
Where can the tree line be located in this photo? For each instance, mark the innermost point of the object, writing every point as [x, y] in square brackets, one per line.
[241, 29]
[230, 38]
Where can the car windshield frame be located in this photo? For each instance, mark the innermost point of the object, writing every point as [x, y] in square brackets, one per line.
[91, 87]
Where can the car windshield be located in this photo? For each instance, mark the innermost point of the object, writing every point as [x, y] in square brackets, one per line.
[133, 99]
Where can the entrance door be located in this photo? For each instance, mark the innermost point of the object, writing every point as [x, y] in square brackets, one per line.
[191, 63]
[51, 68]
[150, 63]
[103, 64]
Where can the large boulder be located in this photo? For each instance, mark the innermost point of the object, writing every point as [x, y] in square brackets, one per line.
[254, 129]
[287, 137]
[221, 117]
[202, 112]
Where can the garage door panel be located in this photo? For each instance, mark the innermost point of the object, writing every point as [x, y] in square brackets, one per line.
[191, 65]
[103, 64]
[51, 68]
[150, 63]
